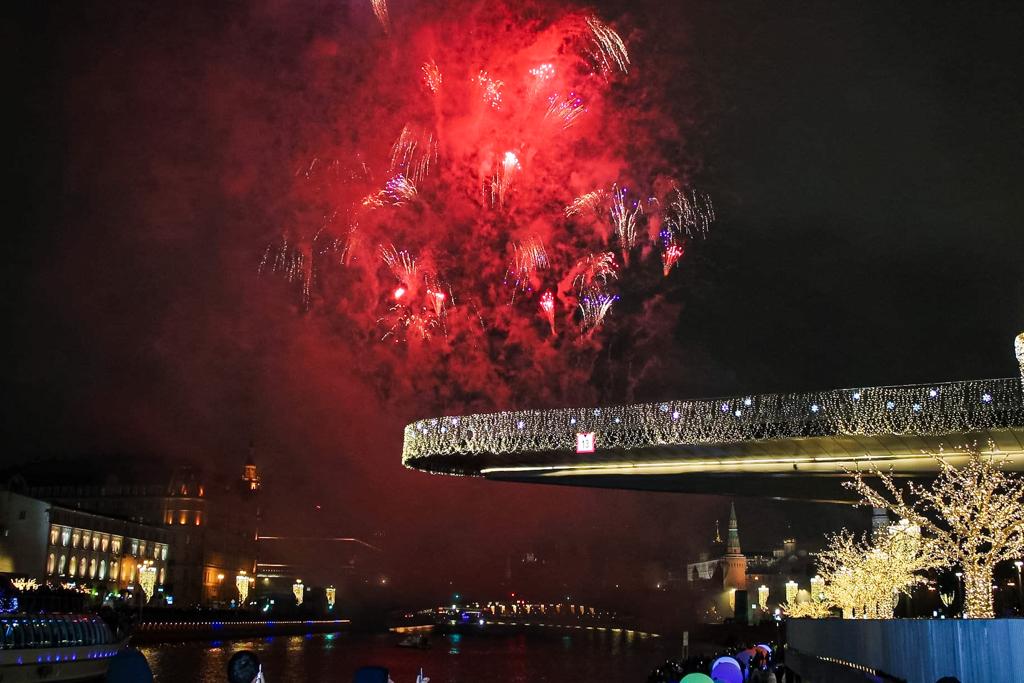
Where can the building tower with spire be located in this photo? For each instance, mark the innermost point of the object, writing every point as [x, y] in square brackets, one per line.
[734, 564]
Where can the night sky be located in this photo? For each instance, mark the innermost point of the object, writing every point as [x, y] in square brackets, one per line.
[864, 159]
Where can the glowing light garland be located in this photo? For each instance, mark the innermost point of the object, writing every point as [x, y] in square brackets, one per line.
[242, 582]
[147, 579]
[25, 584]
[925, 409]
[1018, 347]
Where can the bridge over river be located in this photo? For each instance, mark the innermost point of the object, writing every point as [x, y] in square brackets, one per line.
[786, 446]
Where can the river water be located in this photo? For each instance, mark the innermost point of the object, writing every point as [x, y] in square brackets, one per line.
[580, 656]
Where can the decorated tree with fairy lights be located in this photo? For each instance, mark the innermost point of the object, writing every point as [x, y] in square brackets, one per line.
[812, 609]
[971, 517]
[864, 576]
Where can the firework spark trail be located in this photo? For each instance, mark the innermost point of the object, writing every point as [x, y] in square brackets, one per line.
[397, 191]
[547, 308]
[438, 294]
[413, 154]
[689, 213]
[467, 148]
[432, 76]
[609, 49]
[296, 263]
[403, 321]
[594, 304]
[624, 219]
[595, 269]
[501, 182]
[566, 110]
[590, 201]
[528, 257]
[540, 75]
[380, 10]
[670, 256]
[401, 264]
[490, 89]
[543, 72]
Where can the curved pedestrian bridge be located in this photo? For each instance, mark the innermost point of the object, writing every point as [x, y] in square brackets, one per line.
[794, 446]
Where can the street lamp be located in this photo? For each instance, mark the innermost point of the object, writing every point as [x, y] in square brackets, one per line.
[1018, 564]
[959, 585]
[817, 585]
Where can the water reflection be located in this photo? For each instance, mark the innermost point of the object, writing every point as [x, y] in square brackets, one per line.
[585, 655]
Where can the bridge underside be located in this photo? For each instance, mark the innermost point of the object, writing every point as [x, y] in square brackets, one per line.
[810, 469]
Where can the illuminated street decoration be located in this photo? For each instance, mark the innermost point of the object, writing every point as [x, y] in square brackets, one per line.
[331, 593]
[927, 409]
[147, 579]
[299, 591]
[864, 576]
[971, 517]
[242, 583]
[1018, 346]
[791, 590]
[812, 609]
[762, 597]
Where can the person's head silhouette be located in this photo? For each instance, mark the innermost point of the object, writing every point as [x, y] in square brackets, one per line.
[244, 667]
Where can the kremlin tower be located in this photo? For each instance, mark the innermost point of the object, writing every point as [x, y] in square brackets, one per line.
[734, 564]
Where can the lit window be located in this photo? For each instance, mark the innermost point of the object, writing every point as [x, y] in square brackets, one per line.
[115, 545]
[60, 565]
[135, 546]
[86, 538]
[105, 543]
[65, 536]
[82, 566]
[183, 517]
[51, 563]
[163, 575]
[198, 520]
[113, 570]
[103, 569]
[76, 536]
[72, 566]
[54, 534]
[92, 568]
[163, 552]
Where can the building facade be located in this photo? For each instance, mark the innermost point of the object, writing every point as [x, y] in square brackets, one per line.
[211, 521]
[58, 545]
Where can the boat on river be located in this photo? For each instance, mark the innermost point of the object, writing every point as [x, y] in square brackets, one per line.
[55, 647]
